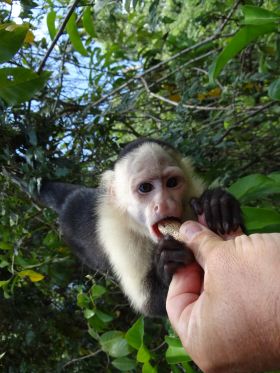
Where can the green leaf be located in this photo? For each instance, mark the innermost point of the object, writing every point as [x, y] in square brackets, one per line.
[4, 283]
[5, 246]
[51, 240]
[11, 39]
[114, 343]
[135, 334]
[3, 263]
[105, 317]
[175, 353]
[259, 218]
[241, 39]
[148, 368]
[97, 291]
[188, 368]
[82, 300]
[274, 90]
[124, 364]
[74, 35]
[254, 15]
[88, 313]
[93, 334]
[173, 341]
[143, 354]
[51, 23]
[255, 186]
[88, 22]
[19, 84]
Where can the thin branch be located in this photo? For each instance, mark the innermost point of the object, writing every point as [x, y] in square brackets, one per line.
[82, 358]
[57, 36]
[198, 58]
[215, 35]
[170, 102]
[237, 124]
[233, 9]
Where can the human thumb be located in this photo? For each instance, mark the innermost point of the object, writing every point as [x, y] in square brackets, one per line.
[200, 240]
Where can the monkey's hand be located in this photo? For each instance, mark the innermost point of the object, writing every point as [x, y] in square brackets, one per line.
[219, 211]
[169, 256]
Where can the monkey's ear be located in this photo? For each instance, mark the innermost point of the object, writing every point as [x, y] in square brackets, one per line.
[107, 182]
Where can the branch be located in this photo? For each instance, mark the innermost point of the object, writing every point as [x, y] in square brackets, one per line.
[181, 67]
[215, 35]
[259, 110]
[170, 102]
[233, 9]
[57, 36]
[82, 358]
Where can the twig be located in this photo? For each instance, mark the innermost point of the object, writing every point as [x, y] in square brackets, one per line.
[181, 67]
[57, 36]
[155, 67]
[82, 358]
[233, 9]
[170, 102]
[215, 35]
[236, 125]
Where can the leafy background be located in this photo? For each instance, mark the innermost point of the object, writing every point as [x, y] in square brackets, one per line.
[79, 81]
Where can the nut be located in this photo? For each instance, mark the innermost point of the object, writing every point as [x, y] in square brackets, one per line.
[170, 227]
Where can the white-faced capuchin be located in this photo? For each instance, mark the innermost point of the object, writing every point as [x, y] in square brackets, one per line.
[115, 226]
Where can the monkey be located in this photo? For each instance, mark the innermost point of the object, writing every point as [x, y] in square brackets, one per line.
[115, 226]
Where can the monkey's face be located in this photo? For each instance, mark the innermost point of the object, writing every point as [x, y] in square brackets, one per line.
[155, 188]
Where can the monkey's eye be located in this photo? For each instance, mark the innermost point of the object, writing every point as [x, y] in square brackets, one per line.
[145, 187]
[172, 182]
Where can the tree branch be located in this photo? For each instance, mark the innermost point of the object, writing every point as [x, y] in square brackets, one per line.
[236, 125]
[57, 36]
[170, 102]
[82, 358]
[215, 35]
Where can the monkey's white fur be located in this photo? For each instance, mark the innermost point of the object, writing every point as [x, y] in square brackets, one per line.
[127, 243]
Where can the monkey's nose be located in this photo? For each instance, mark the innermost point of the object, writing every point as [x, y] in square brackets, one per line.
[165, 207]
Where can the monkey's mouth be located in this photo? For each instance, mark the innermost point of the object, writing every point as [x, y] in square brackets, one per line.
[155, 228]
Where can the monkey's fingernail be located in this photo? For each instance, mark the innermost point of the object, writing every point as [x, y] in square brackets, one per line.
[196, 206]
[226, 227]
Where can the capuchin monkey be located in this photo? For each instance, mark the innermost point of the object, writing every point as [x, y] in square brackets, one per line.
[115, 226]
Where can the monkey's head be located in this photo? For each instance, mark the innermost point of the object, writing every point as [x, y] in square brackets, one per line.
[151, 183]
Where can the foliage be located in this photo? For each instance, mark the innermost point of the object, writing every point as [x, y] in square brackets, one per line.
[76, 83]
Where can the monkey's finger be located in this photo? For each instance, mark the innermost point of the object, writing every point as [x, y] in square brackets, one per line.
[231, 235]
[237, 217]
[177, 256]
[170, 268]
[216, 215]
[207, 210]
[227, 213]
[196, 206]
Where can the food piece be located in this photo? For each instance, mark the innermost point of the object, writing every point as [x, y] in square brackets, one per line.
[170, 227]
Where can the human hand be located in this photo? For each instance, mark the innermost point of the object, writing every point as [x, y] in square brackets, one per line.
[226, 310]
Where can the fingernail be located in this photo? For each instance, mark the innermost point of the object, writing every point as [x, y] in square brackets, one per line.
[190, 230]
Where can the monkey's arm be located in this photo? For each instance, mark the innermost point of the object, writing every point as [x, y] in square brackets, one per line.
[169, 255]
[76, 207]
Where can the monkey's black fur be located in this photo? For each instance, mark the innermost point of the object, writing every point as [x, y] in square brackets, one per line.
[139, 142]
